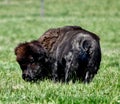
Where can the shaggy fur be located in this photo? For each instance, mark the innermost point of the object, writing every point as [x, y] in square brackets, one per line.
[63, 54]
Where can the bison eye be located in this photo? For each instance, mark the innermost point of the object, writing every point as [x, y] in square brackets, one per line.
[23, 62]
[23, 66]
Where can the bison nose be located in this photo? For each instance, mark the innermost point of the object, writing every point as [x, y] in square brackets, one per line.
[26, 77]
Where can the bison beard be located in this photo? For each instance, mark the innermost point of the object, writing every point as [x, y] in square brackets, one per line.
[60, 54]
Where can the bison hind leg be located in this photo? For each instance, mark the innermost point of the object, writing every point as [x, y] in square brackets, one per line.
[92, 66]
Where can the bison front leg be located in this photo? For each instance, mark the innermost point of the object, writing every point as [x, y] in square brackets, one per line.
[69, 59]
[67, 71]
[54, 71]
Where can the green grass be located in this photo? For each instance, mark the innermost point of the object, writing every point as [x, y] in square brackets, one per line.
[20, 21]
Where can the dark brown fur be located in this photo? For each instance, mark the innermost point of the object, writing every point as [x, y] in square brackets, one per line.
[63, 54]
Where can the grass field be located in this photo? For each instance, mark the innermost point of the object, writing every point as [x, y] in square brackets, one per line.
[20, 21]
